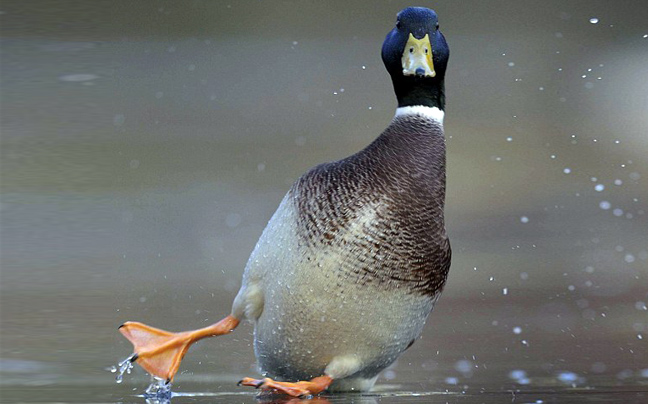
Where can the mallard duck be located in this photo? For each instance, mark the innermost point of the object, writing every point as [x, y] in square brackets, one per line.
[351, 264]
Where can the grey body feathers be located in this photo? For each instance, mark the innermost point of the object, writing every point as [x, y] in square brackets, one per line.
[351, 264]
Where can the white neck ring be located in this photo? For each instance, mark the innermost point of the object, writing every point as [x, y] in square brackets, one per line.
[432, 113]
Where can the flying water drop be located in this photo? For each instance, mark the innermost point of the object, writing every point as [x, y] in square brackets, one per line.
[124, 367]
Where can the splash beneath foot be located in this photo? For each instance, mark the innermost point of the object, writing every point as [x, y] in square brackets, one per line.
[159, 391]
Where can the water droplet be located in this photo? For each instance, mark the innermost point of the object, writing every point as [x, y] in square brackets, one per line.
[119, 119]
[567, 377]
[605, 205]
[451, 380]
[124, 366]
[594, 20]
[599, 187]
[464, 366]
[78, 77]
[524, 219]
[517, 330]
[233, 220]
[567, 170]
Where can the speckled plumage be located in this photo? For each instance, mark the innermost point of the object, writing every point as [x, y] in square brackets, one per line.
[351, 264]
[349, 267]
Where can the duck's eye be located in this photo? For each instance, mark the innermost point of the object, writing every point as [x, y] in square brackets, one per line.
[437, 25]
[426, 51]
[398, 24]
[411, 50]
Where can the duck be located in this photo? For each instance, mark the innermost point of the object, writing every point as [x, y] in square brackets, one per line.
[351, 264]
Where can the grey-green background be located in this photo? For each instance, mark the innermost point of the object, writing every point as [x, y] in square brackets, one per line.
[145, 144]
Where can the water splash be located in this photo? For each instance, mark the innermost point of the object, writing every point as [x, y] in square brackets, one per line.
[123, 367]
[159, 391]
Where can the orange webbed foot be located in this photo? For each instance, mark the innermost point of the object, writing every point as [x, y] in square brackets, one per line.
[160, 352]
[296, 389]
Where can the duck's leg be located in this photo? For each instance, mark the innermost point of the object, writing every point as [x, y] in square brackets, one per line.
[297, 389]
[159, 352]
[339, 368]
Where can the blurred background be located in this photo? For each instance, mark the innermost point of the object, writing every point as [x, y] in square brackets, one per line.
[146, 144]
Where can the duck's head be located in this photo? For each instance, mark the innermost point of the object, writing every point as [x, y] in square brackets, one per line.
[416, 54]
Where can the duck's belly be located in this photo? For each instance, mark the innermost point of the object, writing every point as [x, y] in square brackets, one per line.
[312, 314]
[304, 327]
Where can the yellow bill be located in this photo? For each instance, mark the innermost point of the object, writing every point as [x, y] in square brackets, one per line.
[417, 57]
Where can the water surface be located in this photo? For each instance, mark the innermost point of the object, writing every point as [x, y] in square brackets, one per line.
[146, 144]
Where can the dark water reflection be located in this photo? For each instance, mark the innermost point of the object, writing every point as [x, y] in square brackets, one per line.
[145, 145]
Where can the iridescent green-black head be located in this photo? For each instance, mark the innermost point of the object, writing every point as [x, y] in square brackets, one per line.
[416, 54]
